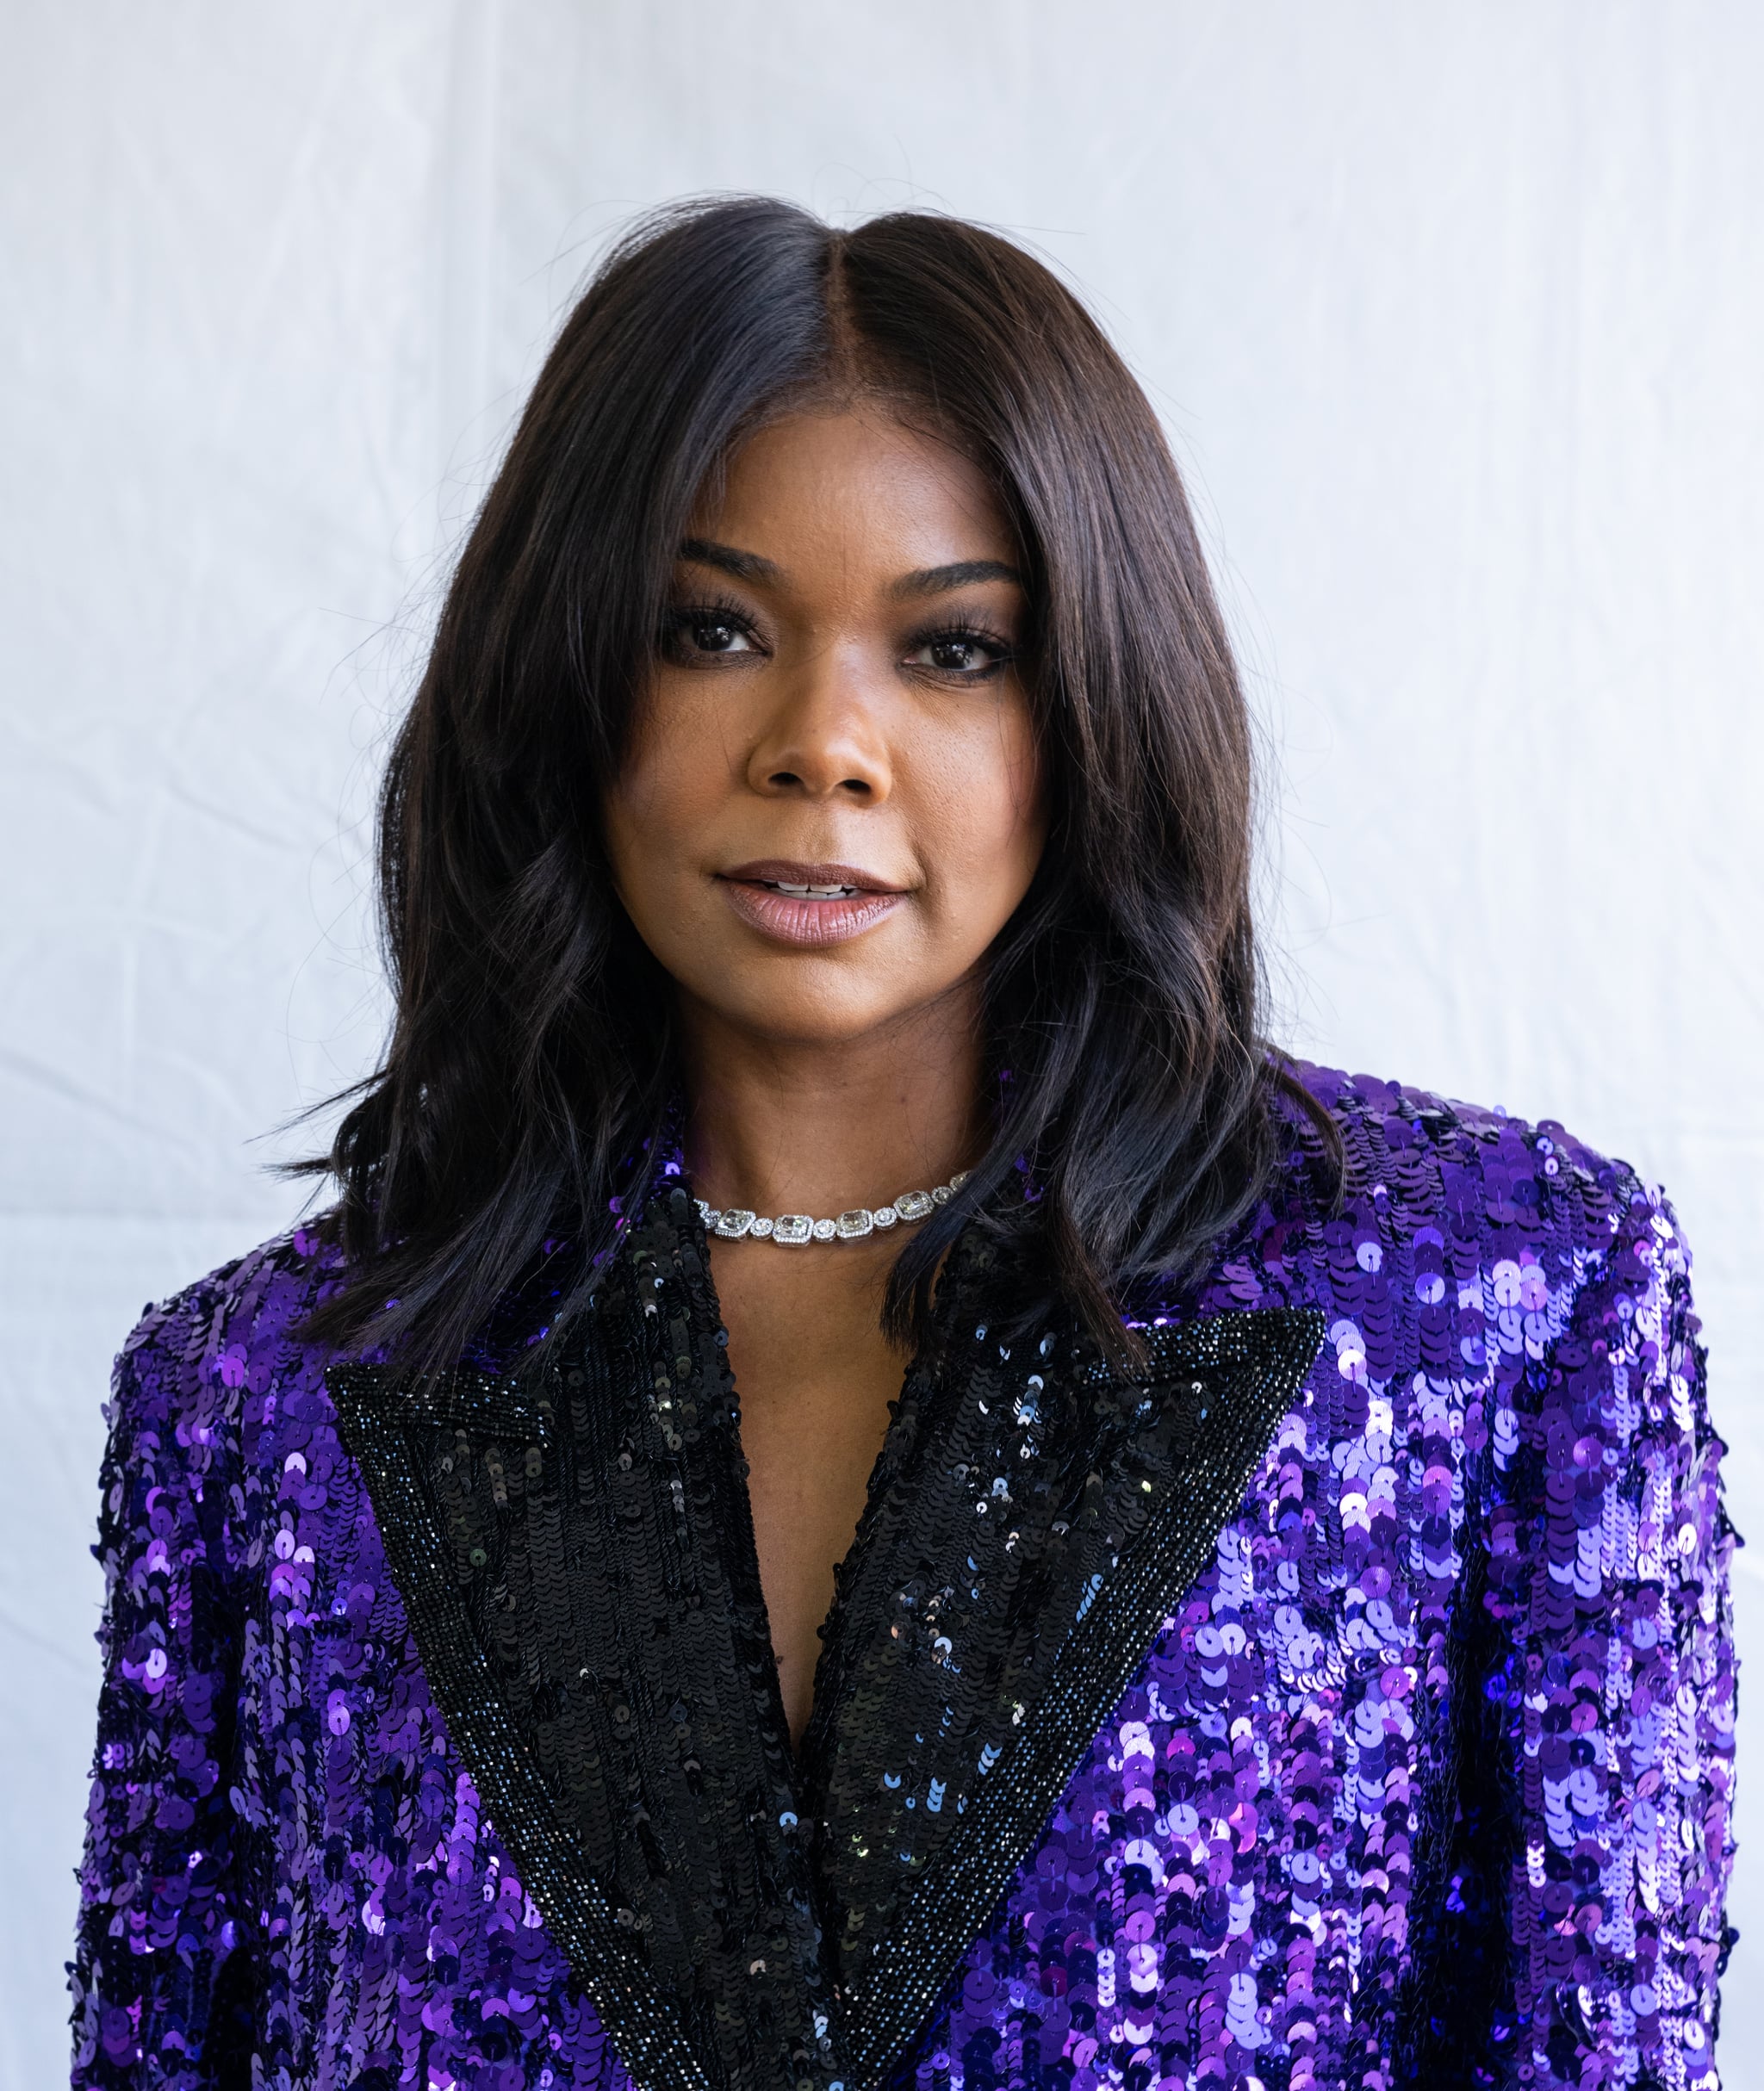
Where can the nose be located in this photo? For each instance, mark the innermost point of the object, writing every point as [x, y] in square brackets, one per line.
[824, 738]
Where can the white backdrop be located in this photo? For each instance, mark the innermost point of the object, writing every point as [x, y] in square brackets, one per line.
[1455, 317]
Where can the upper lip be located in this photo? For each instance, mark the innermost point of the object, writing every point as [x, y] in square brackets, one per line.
[784, 871]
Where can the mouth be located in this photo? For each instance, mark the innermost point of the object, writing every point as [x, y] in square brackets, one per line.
[798, 903]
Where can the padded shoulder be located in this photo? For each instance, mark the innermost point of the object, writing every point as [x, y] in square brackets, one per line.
[192, 1360]
[1419, 1161]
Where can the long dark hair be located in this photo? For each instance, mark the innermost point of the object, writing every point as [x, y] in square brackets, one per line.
[531, 1063]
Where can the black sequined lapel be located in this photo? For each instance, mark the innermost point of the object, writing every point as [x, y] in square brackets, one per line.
[575, 1554]
[1034, 1522]
[576, 1560]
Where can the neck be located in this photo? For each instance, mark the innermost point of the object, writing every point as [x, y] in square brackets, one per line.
[795, 1126]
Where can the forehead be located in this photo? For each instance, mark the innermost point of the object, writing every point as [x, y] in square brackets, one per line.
[857, 485]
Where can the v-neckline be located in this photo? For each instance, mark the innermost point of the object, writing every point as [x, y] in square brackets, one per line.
[577, 1557]
[919, 1383]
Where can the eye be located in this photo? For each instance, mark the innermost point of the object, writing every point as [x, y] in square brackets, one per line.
[695, 631]
[963, 652]
[719, 636]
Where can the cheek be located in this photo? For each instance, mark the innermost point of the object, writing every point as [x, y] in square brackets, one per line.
[672, 774]
[991, 817]
[640, 822]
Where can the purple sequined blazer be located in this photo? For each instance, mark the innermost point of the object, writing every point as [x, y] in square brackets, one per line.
[1344, 1698]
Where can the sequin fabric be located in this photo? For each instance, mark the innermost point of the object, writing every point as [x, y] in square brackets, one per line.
[1426, 1776]
[577, 1558]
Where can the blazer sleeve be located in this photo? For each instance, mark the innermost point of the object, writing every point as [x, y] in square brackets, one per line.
[1611, 1686]
[161, 1916]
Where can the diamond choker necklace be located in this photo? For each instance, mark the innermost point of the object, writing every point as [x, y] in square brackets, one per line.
[793, 1230]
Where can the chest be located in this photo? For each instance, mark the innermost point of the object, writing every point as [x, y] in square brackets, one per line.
[579, 1564]
[1201, 1808]
[815, 1378]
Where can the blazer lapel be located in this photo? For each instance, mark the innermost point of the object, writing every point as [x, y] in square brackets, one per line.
[576, 1556]
[1042, 1519]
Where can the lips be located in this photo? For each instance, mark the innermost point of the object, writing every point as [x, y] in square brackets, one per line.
[807, 904]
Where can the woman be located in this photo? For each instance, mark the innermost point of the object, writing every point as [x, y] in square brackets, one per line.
[1215, 1574]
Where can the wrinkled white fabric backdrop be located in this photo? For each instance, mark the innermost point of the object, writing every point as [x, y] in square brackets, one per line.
[1454, 316]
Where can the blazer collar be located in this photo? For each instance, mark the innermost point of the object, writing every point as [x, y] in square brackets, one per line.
[577, 1558]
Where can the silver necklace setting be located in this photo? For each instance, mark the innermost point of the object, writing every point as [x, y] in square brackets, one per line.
[797, 1230]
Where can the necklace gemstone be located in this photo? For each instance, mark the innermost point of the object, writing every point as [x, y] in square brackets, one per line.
[796, 1230]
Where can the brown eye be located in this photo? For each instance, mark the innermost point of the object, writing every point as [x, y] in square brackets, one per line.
[719, 636]
[710, 632]
[969, 654]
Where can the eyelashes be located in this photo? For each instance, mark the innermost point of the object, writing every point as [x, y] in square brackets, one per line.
[967, 632]
[683, 619]
[683, 622]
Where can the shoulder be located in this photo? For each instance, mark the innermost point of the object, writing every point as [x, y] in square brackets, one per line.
[1463, 1259]
[193, 1393]
[1422, 1171]
[191, 1368]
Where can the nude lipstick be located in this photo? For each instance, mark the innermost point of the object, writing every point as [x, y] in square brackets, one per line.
[807, 904]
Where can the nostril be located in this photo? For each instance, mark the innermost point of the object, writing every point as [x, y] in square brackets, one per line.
[856, 785]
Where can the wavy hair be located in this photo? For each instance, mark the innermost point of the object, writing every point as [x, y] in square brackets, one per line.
[531, 1060]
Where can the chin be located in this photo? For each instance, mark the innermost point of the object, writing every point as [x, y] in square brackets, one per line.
[814, 1021]
[823, 999]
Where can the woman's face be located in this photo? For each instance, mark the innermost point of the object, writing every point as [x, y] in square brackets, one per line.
[832, 802]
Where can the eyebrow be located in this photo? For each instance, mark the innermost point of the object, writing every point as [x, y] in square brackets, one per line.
[958, 573]
[744, 566]
[927, 581]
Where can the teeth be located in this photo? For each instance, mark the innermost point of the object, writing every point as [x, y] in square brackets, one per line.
[812, 892]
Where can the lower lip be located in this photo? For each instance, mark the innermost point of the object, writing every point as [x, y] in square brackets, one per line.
[787, 918]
